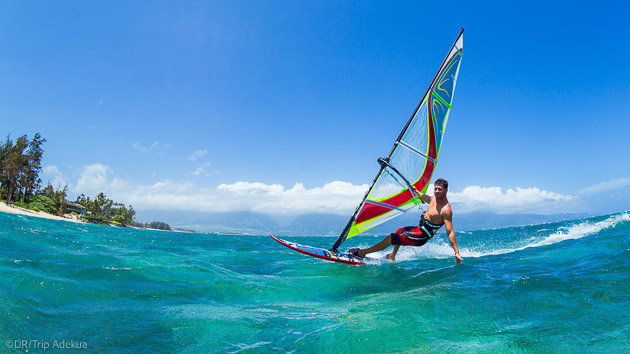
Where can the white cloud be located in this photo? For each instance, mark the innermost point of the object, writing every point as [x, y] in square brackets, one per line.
[141, 148]
[249, 188]
[199, 171]
[335, 197]
[606, 186]
[531, 200]
[52, 170]
[52, 174]
[96, 178]
[197, 154]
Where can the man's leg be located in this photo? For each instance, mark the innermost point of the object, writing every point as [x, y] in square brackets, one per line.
[387, 241]
[392, 256]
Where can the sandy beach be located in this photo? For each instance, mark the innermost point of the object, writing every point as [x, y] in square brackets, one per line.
[39, 214]
[67, 217]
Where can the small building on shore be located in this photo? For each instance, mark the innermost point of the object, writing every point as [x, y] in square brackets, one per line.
[76, 208]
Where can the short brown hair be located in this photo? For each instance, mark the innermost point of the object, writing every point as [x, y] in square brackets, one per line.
[442, 182]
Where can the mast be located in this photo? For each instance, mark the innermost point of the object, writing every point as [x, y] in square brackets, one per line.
[461, 32]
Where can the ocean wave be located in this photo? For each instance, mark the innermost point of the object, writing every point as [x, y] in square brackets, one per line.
[545, 236]
[583, 229]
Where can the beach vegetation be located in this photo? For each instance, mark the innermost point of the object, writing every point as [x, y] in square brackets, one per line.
[105, 209]
[158, 225]
[20, 204]
[43, 203]
[20, 164]
[58, 198]
[20, 184]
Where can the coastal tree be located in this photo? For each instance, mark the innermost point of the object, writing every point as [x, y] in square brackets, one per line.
[20, 164]
[5, 146]
[159, 225]
[85, 201]
[122, 214]
[106, 209]
[13, 162]
[100, 202]
[57, 196]
[30, 180]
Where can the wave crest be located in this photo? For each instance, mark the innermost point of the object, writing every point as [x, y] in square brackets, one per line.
[539, 236]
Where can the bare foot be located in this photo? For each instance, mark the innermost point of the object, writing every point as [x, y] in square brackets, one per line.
[356, 252]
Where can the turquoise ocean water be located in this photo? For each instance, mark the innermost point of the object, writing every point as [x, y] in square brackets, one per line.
[561, 287]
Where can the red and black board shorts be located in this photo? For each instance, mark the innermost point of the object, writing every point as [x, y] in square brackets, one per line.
[409, 236]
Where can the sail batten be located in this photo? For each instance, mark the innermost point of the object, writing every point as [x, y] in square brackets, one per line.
[385, 205]
[413, 149]
[414, 154]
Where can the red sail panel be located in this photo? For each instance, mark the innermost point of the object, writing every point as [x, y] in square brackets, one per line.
[372, 210]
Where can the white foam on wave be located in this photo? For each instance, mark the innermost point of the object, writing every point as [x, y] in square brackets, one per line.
[441, 248]
[581, 230]
[573, 232]
[433, 249]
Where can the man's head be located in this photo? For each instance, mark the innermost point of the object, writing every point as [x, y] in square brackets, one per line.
[442, 182]
[440, 186]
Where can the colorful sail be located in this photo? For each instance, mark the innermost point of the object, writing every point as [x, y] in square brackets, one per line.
[414, 155]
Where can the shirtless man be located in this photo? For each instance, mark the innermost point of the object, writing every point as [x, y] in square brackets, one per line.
[438, 213]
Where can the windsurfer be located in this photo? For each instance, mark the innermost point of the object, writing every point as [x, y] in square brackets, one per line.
[438, 213]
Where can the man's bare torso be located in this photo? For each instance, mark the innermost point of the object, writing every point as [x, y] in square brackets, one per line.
[434, 211]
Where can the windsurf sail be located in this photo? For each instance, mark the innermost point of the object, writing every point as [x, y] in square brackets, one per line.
[413, 157]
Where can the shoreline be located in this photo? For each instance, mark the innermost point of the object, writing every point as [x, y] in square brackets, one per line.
[38, 214]
[67, 217]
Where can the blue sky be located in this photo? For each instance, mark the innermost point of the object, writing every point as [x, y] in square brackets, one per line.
[283, 107]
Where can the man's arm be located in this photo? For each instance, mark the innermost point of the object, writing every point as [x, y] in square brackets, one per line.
[425, 198]
[448, 223]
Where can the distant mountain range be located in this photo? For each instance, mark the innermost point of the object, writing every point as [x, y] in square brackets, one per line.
[249, 223]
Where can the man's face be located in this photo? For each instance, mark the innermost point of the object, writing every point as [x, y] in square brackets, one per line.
[439, 191]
